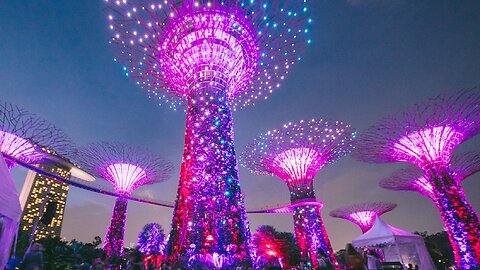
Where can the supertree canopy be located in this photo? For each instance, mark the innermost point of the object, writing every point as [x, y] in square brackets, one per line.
[151, 239]
[425, 136]
[363, 214]
[411, 178]
[28, 138]
[126, 168]
[214, 56]
[295, 153]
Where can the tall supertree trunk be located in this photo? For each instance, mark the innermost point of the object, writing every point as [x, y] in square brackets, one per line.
[460, 220]
[209, 215]
[309, 228]
[115, 233]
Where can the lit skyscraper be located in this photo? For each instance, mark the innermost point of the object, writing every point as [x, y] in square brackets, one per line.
[40, 193]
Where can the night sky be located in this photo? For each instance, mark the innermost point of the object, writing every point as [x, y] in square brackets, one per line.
[368, 59]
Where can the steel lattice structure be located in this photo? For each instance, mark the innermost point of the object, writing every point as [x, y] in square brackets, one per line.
[363, 214]
[413, 179]
[295, 153]
[213, 56]
[126, 168]
[28, 138]
[425, 136]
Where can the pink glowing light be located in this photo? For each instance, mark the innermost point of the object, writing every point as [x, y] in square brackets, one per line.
[290, 208]
[364, 218]
[430, 145]
[247, 47]
[424, 186]
[363, 214]
[297, 162]
[215, 45]
[19, 148]
[124, 176]
[425, 135]
[295, 153]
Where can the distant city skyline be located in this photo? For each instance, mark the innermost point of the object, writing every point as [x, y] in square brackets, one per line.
[368, 59]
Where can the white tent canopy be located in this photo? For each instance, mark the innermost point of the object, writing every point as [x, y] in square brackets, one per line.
[10, 212]
[397, 245]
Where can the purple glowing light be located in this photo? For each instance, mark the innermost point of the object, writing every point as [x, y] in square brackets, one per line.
[363, 214]
[426, 135]
[295, 154]
[28, 138]
[427, 146]
[298, 151]
[364, 218]
[218, 45]
[424, 186]
[411, 178]
[124, 176]
[248, 47]
[126, 168]
[216, 57]
[296, 162]
[19, 148]
[290, 208]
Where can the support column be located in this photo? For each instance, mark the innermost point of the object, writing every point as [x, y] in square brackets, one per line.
[209, 224]
[309, 228]
[115, 233]
[460, 220]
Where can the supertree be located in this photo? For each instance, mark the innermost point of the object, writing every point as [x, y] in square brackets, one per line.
[28, 138]
[363, 214]
[425, 136]
[295, 153]
[126, 168]
[411, 178]
[214, 56]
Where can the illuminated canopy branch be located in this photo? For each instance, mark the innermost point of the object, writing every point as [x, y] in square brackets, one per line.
[124, 166]
[363, 214]
[426, 134]
[413, 179]
[297, 151]
[29, 138]
[244, 47]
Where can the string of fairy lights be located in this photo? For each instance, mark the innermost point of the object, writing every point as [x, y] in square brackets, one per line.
[250, 46]
[426, 135]
[295, 153]
[213, 57]
[126, 168]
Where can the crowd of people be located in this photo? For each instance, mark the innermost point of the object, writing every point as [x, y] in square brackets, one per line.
[352, 259]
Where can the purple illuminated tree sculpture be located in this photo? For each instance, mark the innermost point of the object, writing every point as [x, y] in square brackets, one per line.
[126, 168]
[213, 56]
[363, 214]
[413, 179]
[426, 136]
[295, 153]
[28, 138]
